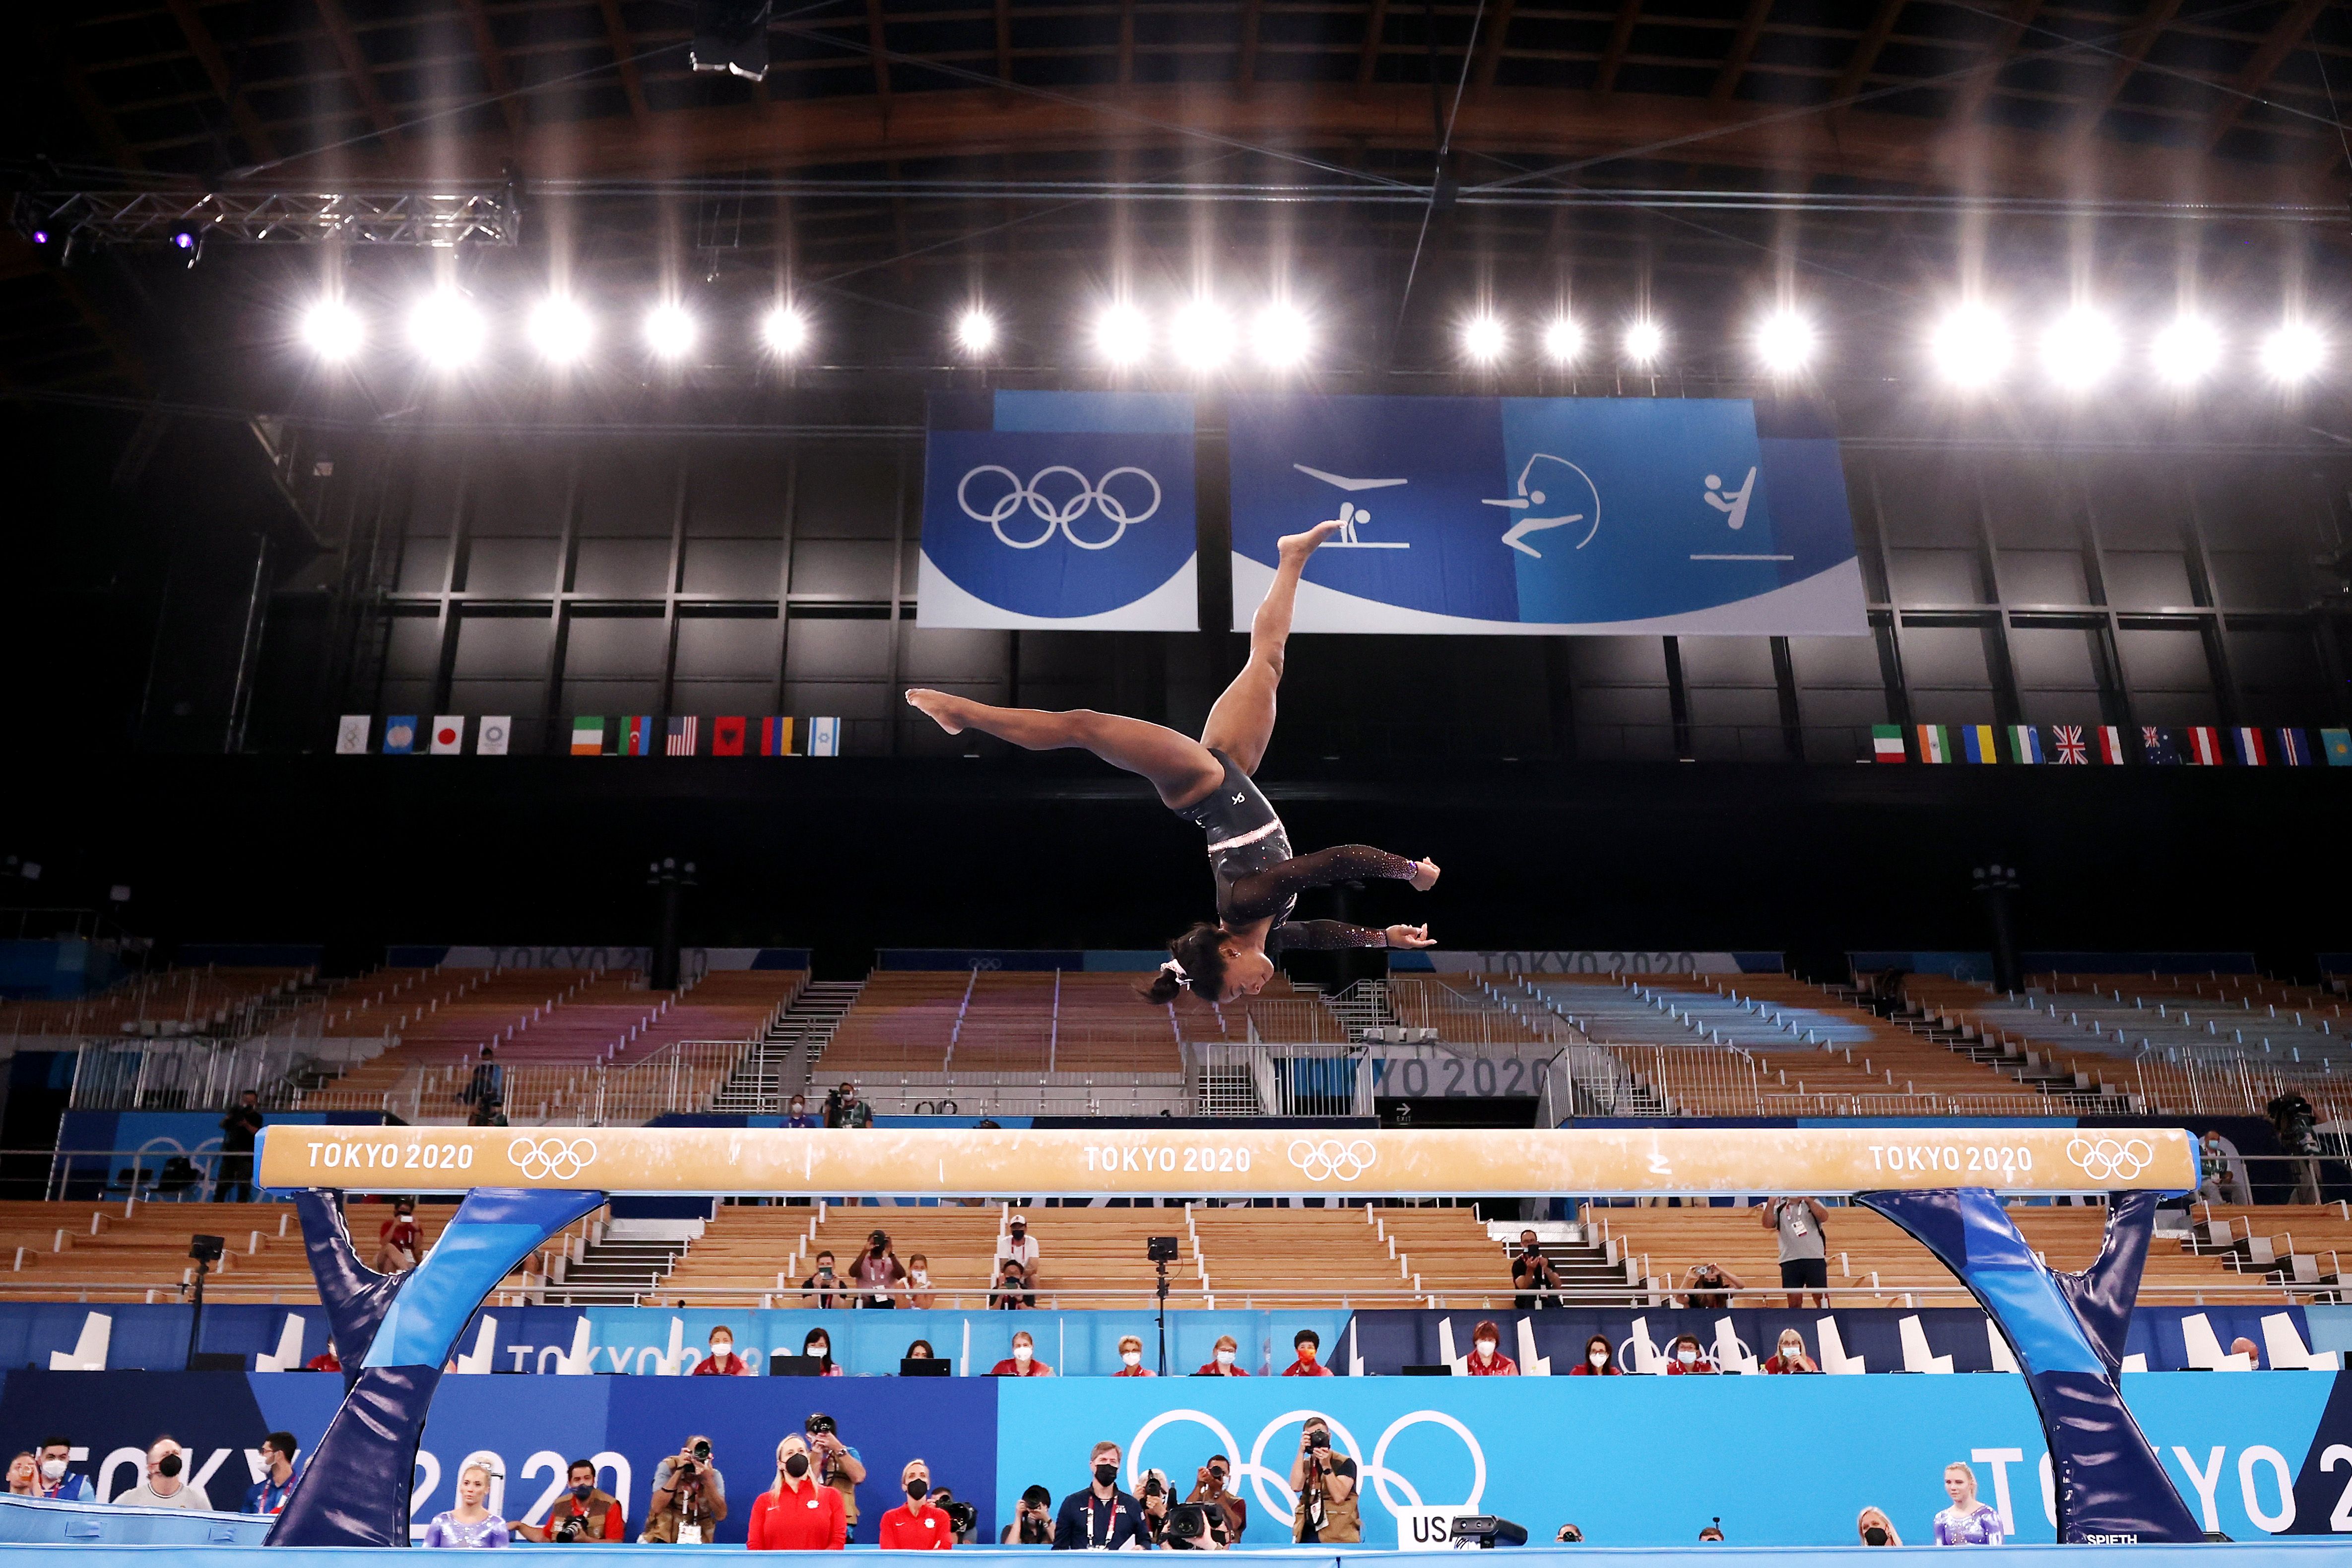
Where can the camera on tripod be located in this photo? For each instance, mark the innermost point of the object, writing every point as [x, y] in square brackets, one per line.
[1161, 1248]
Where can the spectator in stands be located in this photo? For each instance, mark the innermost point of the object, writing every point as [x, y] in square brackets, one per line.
[239, 1129]
[1325, 1484]
[325, 1361]
[1130, 1358]
[828, 1288]
[167, 1482]
[24, 1475]
[1874, 1529]
[1570, 1535]
[798, 1513]
[837, 1464]
[1967, 1522]
[690, 1497]
[1101, 1518]
[1532, 1272]
[278, 1473]
[1485, 1358]
[801, 1116]
[879, 1273]
[1804, 1252]
[1221, 1357]
[1032, 1521]
[2298, 1127]
[1598, 1361]
[920, 1294]
[1009, 1294]
[818, 1345]
[1713, 1532]
[1790, 1354]
[490, 1113]
[468, 1523]
[396, 1239]
[483, 1086]
[915, 1525]
[583, 1512]
[722, 1361]
[2220, 1182]
[852, 1112]
[920, 1350]
[57, 1480]
[2243, 1346]
[1709, 1286]
[1022, 1362]
[1309, 1345]
[1018, 1247]
[1688, 1355]
[1209, 1487]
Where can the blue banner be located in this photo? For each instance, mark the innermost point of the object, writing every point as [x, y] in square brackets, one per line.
[1066, 511]
[1547, 515]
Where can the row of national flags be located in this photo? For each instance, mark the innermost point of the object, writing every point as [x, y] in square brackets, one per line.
[623, 734]
[2084, 745]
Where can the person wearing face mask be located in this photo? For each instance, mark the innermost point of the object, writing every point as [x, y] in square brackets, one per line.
[24, 1475]
[916, 1525]
[1101, 1518]
[824, 1287]
[1221, 1359]
[278, 1474]
[1022, 1362]
[57, 1480]
[817, 1344]
[396, 1239]
[722, 1361]
[1309, 1345]
[167, 1483]
[1598, 1362]
[1791, 1357]
[1032, 1521]
[837, 1464]
[1018, 1248]
[583, 1512]
[1486, 1359]
[1130, 1358]
[1209, 1487]
[799, 1512]
[1875, 1528]
[1688, 1355]
[920, 1294]
[801, 1116]
[690, 1497]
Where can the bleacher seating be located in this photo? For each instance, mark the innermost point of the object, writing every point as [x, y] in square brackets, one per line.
[174, 1001]
[1015, 1021]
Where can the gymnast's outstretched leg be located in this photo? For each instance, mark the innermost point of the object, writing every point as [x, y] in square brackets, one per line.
[1179, 767]
[1243, 721]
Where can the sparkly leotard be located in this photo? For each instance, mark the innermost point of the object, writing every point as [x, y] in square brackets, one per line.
[1257, 877]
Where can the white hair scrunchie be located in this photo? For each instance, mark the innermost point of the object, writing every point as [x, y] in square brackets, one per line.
[1177, 969]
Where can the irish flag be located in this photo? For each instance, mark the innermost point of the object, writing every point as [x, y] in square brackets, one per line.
[588, 737]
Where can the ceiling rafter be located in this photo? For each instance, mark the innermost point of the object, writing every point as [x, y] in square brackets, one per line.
[1969, 99]
[1490, 48]
[1743, 48]
[355, 66]
[1621, 38]
[1005, 39]
[2285, 38]
[878, 44]
[1865, 58]
[260, 147]
[1245, 66]
[624, 52]
[494, 64]
[2133, 48]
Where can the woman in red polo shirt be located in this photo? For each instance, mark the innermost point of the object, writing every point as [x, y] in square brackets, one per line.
[918, 1525]
[798, 1513]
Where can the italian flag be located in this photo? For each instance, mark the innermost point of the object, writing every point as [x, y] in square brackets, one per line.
[1886, 742]
[587, 738]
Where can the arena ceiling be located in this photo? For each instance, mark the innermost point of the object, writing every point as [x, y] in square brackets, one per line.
[1398, 156]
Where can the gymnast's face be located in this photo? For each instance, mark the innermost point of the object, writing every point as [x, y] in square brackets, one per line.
[1247, 970]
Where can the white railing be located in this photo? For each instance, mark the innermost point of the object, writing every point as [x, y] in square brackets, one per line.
[180, 1074]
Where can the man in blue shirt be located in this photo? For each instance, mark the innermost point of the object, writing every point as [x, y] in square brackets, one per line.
[279, 1475]
[56, 1454]
[1102, 1518]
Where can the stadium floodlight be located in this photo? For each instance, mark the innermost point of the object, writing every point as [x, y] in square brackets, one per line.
[1785, 343]
[1282, 336]
[975, 332]
[2081, 348]
[561, 329]
[1970, 346]
[1202, 335]
[1646, 341]
[446, 328]
[2294, 351]
[1122, 335]
[786, 331]
[333, 330]
[1482, 337]
[1564, 341]
[2186, 350]
[671, 330]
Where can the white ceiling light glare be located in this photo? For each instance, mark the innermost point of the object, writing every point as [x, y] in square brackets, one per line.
[1564, 341]
[975, 332]
[1122, 335]
[784, 331]
[671, 330]
[2292, 351]
[1645, 342]
[1971, 346]
[1786, 343]
[2185, 351]
[333, 330]
[446, 328]
[1282, 336]
[2081, 348]
[1482, 337]
[1202, 335]
[561, 329]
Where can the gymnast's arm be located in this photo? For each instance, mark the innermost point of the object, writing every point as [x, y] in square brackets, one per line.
[1296, 933]
[1264, 893]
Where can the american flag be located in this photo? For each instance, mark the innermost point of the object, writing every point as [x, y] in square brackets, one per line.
[2070, 749]
[681, 737]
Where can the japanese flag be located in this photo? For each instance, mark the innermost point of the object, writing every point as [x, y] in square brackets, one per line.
[490, 739]
[448, 736]
[351, 737]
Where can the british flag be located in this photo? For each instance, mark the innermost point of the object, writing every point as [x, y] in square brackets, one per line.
[2067, 744]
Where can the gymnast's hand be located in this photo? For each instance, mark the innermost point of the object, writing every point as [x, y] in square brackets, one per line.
[1409, 937]
[1424, 876]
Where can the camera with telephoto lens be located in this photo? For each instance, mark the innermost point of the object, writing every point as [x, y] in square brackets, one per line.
[1188, 1527]
[962, 1517]
[575, 1527]
[1318, 1439]
[822, 1426]
[1151, 1487]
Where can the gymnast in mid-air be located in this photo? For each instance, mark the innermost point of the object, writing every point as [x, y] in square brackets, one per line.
[1207, 782]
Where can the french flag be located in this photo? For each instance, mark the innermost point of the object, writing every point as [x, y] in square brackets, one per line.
[2204, 746]
[2252, 751]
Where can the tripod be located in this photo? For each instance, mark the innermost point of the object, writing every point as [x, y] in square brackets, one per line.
[1161, 1263]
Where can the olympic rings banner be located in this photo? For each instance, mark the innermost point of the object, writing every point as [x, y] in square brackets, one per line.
[1068, 511]
[1702, 516]
[1206, 1161]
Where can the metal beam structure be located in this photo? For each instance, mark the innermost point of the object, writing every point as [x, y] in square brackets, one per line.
[277, 217]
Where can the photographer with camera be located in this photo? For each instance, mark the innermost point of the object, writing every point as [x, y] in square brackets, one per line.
[1537, 1283]
[582, 1512]
[916, 1524]
[1101, 1518]
[2297, 1124]
[879, 1273]
[690, 1497]
[1032, 1521]
[1209, 1488]
[826, 1288]
[1324, 1483]
[837, 1464]
[963, 1519]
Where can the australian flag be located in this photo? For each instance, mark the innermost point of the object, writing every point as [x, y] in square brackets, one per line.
[2159, 747]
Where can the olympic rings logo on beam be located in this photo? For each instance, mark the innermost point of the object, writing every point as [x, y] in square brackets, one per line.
[2105, 1159]
[553, 1157]
[1331, 1158]
[1088, 496]
[1387, 1483]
